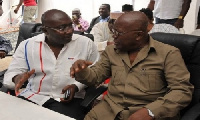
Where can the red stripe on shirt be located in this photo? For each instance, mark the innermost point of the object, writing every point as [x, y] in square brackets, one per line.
[42, 69]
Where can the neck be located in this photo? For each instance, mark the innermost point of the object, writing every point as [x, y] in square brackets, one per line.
[103, 17]
[53, 45]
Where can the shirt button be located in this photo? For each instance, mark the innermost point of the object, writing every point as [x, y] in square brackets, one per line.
[130, 84]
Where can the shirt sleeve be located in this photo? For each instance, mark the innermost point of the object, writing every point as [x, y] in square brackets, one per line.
[101, 35]
[95, 74]
[179, 88]
[85, 25]
[17, 66]
[5, 45]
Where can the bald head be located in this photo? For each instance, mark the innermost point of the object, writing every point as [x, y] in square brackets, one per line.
[134, 20]
[53, 16]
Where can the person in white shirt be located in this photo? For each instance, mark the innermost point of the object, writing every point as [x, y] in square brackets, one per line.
[170, 11]
[45, 60]
[102, 32]
[162, 27]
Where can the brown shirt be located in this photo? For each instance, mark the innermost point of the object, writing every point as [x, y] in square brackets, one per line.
[158, 80]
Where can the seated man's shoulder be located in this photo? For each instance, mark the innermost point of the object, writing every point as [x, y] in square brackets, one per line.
[163, 46]
[110, 49]
[95, 18]
[81, 38]
[99, 26]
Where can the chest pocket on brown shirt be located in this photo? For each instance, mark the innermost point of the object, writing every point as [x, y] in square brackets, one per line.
[118, 75]
[151, 80]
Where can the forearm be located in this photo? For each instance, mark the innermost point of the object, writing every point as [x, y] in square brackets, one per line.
[96, 74]
[151, 5]
[20, 3]
[185, 8]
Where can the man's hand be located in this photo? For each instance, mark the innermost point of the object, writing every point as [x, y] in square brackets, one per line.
[141, 114]
[16, 10]
[179, 23]
[75, 20]
[2, 54]
[78, 66]
[72, 89]
[21, 78]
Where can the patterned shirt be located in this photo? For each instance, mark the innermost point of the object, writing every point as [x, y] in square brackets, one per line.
[5, 45]
[84, 25]
[166, 28]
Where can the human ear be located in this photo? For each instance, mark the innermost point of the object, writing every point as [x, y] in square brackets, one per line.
[139, 35]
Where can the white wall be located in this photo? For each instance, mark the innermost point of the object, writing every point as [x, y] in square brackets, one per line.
[89, 8]
[191, 17]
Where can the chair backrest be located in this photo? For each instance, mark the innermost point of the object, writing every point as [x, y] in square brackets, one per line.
[189, 46]
[28, 30]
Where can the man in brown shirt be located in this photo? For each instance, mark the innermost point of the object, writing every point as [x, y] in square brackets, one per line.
[146, 82]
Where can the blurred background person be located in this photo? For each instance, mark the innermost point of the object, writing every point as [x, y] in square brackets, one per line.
[1, 10]
[102, 32]
[79, 23]
[162, 27]
[104, 12]
[29, 10]
[170, 11]
[127, 8]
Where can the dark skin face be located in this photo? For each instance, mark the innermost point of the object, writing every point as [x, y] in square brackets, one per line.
[76, 13]
[133, 34]
[104, 11]
[75, 16]
[111, 24]
[58, 28]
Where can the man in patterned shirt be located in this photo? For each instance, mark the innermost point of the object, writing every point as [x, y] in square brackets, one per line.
[162, 27]
[79, 23]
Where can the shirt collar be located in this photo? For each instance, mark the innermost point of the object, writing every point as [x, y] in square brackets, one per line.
[105, 19]
[41, 37]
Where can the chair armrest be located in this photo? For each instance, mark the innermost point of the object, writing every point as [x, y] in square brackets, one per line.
[91, 94]
[192, 113]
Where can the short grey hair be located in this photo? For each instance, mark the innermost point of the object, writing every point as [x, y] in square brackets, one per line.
[76, 9]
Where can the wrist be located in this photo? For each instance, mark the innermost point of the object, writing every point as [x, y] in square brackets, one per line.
[180, 17]
[150, 113]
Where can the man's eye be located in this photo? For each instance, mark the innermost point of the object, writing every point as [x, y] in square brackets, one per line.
[62, 28]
